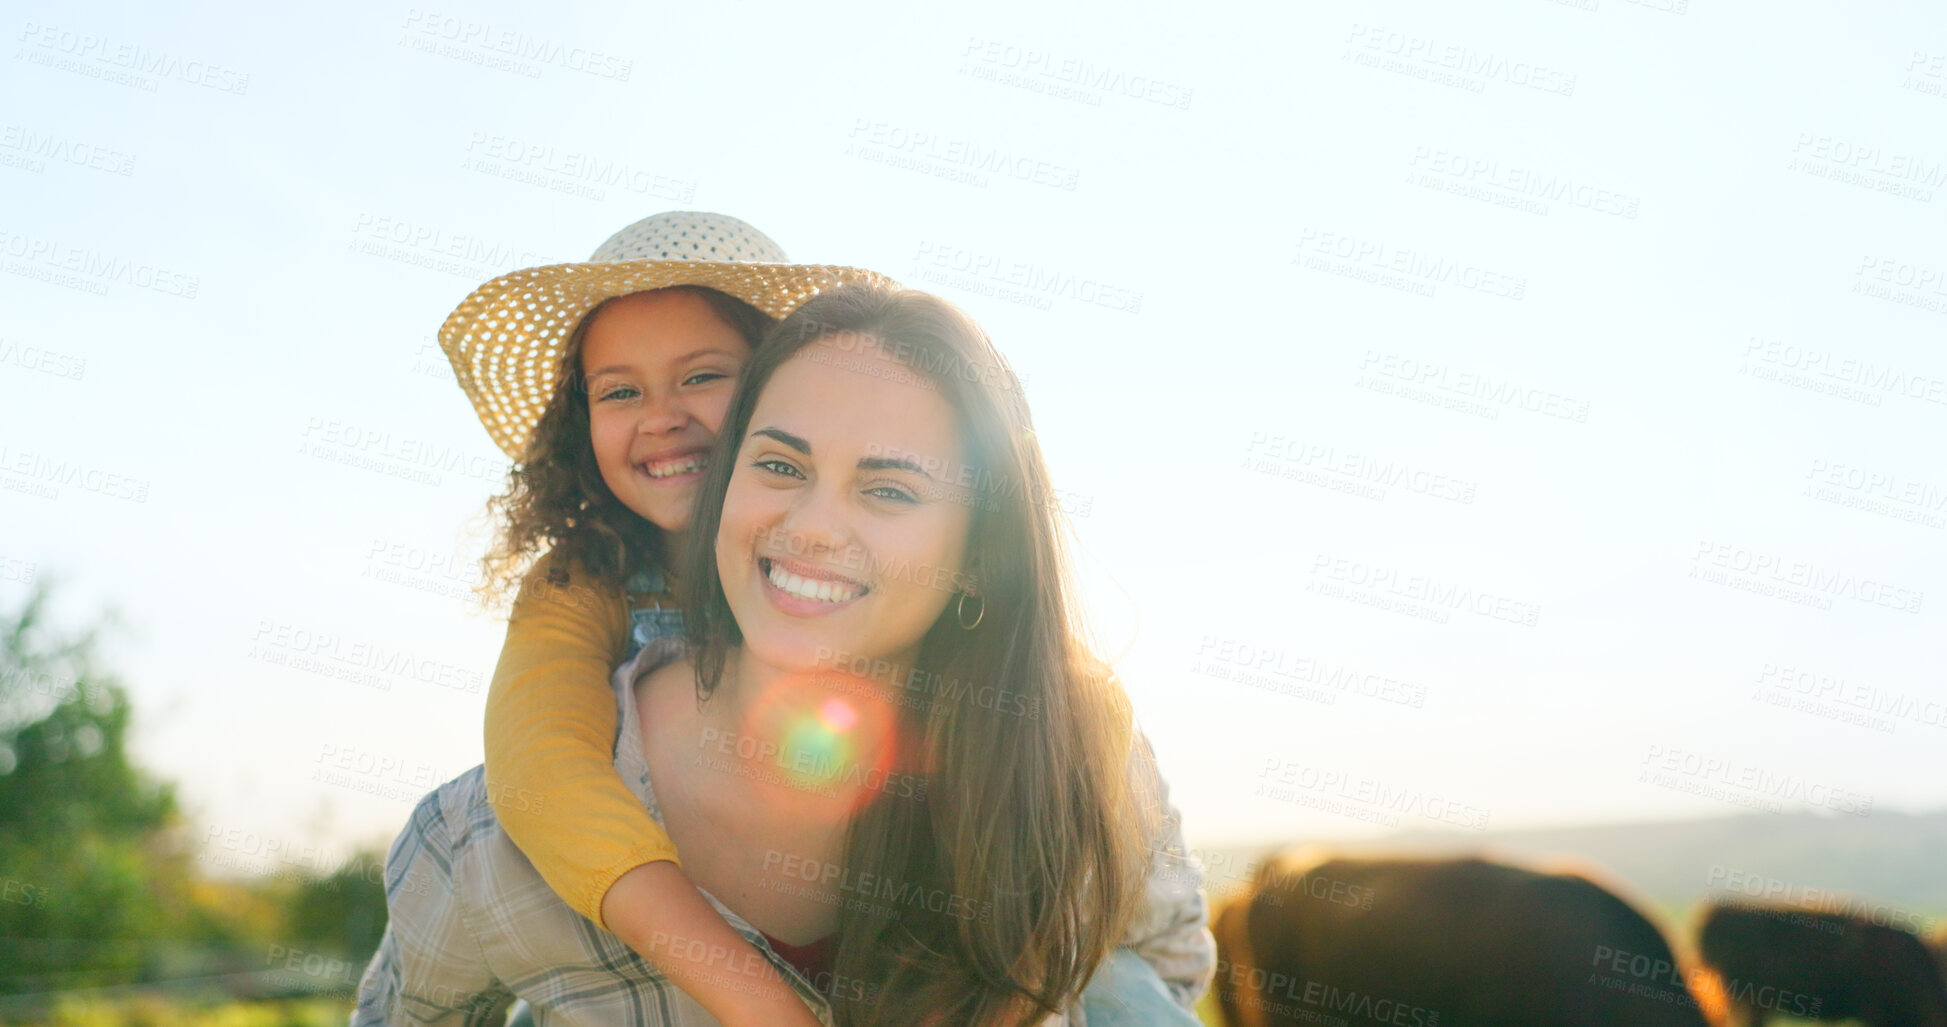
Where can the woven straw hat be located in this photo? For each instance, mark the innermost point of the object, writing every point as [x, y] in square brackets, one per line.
[506, 339]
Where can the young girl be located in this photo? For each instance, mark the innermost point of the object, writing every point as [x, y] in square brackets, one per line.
[649, 337]
[610, 454]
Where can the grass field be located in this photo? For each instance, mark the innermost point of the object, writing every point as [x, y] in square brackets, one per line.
[320, 1012]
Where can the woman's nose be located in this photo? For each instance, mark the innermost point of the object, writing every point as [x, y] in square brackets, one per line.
[816, 522]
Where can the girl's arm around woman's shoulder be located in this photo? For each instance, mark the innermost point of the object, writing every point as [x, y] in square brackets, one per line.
[550, 736]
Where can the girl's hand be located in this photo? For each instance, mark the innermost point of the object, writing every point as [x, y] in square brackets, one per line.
[732, 980]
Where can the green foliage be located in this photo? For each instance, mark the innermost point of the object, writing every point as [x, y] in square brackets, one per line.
[153, 1012]
[98, 884]
[79, 824]
[345, 912]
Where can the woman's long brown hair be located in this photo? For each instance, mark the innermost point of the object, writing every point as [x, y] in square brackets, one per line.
[1030, 838]
[556, 501]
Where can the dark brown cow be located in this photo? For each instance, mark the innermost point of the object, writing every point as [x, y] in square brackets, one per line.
[1939, 946]
[1442, 943]
[1778, 959]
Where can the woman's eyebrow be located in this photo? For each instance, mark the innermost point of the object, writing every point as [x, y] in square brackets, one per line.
[899, 463]
[785, 437]
[866, 463]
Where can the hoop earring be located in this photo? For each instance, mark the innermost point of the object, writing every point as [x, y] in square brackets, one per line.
[960, 612]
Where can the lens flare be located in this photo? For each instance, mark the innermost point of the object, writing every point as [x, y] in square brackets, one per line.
[833, 733]
[814, 752]
[838, 714]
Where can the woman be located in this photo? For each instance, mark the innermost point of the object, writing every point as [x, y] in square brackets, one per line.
[883, 697]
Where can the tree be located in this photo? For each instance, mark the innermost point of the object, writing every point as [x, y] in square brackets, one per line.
[82, 830]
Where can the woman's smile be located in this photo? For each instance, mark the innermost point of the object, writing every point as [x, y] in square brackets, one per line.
[801, 590]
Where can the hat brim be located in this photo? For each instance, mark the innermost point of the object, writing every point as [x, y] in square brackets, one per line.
[505, 340]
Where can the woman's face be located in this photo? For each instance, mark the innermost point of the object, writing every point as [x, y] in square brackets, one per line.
[660, 368]
[844, 530]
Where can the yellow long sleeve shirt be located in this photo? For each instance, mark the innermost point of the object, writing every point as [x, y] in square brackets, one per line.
[550, 737]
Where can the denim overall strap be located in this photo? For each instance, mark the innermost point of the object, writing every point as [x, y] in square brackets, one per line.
[655, 620]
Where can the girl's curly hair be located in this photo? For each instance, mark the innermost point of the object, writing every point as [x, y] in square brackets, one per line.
[556, 500]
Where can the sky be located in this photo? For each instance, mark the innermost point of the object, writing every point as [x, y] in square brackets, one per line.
[1478, 416]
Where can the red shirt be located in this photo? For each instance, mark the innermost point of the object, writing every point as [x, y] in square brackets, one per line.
[813, 960]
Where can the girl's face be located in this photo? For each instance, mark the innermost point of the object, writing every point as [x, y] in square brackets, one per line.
[844, 528]
[660, 368]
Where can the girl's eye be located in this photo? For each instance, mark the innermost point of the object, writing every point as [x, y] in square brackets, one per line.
[704, 376]
[892, 492]
[776, 466]
[619, 392]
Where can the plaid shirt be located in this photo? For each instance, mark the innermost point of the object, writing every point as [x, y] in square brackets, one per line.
[472, 926]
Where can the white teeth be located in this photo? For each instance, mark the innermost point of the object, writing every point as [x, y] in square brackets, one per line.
[815, 590]
[684, 466]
